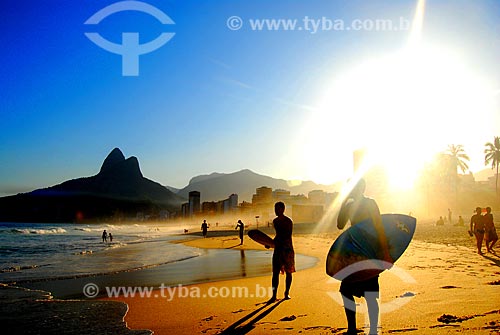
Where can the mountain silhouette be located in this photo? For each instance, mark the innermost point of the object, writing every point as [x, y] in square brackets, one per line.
[119, 189]
[218, 186]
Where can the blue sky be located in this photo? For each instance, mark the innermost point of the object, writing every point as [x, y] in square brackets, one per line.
[211, 99]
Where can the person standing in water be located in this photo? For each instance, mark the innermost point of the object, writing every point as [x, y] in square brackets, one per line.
[283, 255]
[490, 235]
[356, 208]
[110, 237]
[204, 228]
[477, 227]
[104, 236]
[241, 226]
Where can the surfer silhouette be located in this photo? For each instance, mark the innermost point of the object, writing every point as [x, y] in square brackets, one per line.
[241, 226]
[356, 208]
[283, 255]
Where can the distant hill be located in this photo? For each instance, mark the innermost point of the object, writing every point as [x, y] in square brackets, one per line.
[218, 186]
[118, 189]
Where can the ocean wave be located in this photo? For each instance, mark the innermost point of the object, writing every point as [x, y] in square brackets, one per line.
[83, 229]
[115, 245]
[38, 231]
[18, 268]
[84, 252]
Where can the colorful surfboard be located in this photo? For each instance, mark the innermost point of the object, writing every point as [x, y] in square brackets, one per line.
[360, 245]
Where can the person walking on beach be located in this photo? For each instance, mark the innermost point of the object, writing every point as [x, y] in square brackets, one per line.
[283, 255]
[356, 208]
[204, 228]
[477, 227]
[104, 236]
[490, 235]
[241, 226]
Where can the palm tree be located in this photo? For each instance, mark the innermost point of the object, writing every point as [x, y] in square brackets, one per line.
[492, 155]
[458, 158]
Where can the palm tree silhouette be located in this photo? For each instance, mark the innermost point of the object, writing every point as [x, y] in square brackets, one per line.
[492, 155]
[457, 159]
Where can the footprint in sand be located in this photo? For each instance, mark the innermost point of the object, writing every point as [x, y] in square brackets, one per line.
[292, 317]
[238, 311]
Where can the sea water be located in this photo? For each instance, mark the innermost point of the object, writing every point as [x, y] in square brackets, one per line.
[32, 252]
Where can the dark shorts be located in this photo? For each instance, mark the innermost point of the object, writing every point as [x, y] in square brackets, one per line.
[284, 260]
[359, 288]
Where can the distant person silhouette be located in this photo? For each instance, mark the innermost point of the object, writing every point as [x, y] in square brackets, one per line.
[460, 221]
[449, 215]
[356, 208]
[440, 222]
[110, 237]
[490, 236]
[204, 228]
[283, 255]
[241, 226]
[477, 228]
[104, 236]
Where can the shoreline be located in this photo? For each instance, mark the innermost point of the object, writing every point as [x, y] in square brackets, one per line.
[448, 274]
[452, 284]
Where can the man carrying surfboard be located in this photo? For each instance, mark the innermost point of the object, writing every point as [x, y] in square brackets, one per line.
[357, 208]
[283, 255]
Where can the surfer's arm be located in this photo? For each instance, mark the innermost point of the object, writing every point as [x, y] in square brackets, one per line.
[343, 215]
[377, 221]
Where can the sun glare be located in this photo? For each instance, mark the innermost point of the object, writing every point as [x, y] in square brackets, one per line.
[403, 107]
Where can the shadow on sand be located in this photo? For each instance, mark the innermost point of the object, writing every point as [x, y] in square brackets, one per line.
[238, 328]
[494, 258]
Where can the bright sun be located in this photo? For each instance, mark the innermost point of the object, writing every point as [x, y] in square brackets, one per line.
[403, 108]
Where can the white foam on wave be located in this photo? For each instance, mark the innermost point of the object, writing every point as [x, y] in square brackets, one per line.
[40, 231]
[115, 245]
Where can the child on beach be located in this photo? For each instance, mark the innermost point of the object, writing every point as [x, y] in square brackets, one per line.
[477, 227]
[357, 208]
[490, 235]
[283, 255]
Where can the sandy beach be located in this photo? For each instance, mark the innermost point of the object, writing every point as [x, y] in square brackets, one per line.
[439, 286]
